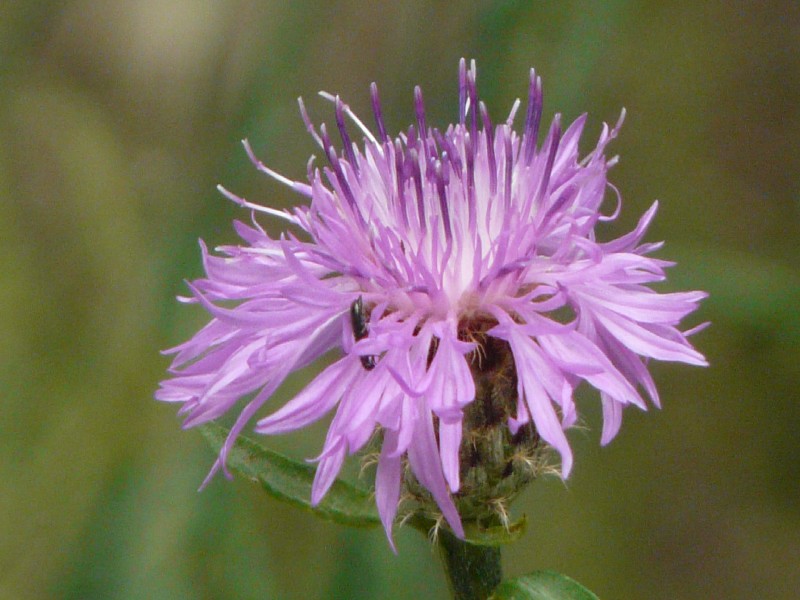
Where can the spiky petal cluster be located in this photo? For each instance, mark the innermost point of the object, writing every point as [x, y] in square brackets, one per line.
[433, 230]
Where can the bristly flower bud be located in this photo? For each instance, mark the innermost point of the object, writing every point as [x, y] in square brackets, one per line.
[495, 464]
[459, 274]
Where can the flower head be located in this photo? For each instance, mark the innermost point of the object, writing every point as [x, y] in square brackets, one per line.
[458, 273]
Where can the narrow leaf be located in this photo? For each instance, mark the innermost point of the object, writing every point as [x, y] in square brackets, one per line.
[542, 585]
[290, 481]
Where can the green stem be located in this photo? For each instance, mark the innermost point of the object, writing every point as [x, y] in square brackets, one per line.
[472, 571]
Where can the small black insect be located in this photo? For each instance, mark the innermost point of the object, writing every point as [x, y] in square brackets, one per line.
[361, 330]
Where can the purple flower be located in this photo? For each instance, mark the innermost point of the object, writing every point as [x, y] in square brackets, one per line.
[423, 259]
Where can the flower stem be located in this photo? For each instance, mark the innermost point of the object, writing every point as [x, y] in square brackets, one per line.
[473, 572]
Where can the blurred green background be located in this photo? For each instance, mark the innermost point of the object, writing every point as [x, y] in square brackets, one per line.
[117, 120]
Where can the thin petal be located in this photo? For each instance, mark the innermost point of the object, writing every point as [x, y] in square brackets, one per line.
[387, 484]
[612, 418]
[530, 363]
[314, 401]
[647, 343]
[423, 456]
[449, 444]
[327, 470]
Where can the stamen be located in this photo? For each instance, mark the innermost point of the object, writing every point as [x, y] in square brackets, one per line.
[401, 180]
[440, 188]
[469, 152]
[256, 207]
[472, 90]
[621, 119]
[308, 123]
[327, 145]
[554, 137]
[417, 175]
[411, 136]
[376, 110]
[333, 159]
[348, 145]
[448, 149]
[419, 108]
[512, 114]
[352, 116]
[462, 90]
[310, 168]
[297, 186]
[509, 168]
[533, 116]
[488, 130]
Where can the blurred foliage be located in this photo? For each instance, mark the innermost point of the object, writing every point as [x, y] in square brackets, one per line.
[118, 119]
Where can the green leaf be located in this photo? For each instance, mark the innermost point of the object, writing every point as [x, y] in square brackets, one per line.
[542, 585]
[290, 481]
